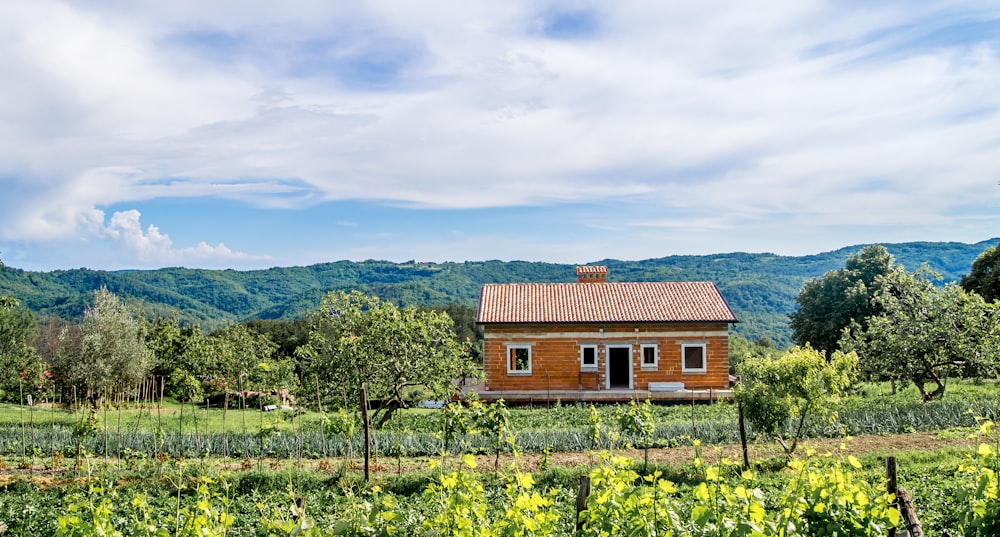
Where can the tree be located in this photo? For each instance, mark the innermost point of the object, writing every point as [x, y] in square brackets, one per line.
[20, 367]
[110, 355]
[169, 341]
[801, 384]
[50, 328]
[358, 339]
[234, 352]
[740, 348]
[830, 303]
[984, 278]
[925, 334]
[467, 331]
[287, 335]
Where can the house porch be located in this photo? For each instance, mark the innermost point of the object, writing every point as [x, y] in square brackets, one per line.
[602, 396]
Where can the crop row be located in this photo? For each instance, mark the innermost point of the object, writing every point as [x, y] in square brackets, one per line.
[314, 442]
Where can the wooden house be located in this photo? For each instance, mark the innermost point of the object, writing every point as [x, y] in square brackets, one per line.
[600, 340]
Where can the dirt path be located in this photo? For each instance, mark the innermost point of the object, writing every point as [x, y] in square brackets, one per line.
[861, 445]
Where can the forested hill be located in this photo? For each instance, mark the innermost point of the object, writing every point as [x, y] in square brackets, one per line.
[761, 288]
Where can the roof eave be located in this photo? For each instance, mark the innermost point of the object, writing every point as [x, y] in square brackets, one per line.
[616, 321]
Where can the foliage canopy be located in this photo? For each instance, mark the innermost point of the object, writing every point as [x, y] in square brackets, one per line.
[395, 352]
[829, 304]
[801, 384]
[924, 334]
[20, 367]
[110, 355]
[984, 278]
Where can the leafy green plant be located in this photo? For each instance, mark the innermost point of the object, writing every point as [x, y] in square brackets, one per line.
[494, 421]
[637, 424]
[825, 498]
[88, 515]
[83, 429]
[460, 503]
[981, 495]
[801, 384]
[456, 422]
[594, 424]
[622, 503]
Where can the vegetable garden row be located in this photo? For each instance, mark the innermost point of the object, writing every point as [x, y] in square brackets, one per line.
[564, 428]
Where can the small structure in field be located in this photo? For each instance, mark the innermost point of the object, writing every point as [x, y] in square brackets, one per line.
[598, 340]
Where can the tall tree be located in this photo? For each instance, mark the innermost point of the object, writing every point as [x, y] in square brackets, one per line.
[828, 305]
[288, 335]
[110, 355]
[358, 339]
[20, 367]
[169, 339]
[740, 348]
[924, 334]
[984, 278]
[244, 357]
[466, 329]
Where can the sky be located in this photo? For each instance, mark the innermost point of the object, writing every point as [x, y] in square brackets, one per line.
[249, 134]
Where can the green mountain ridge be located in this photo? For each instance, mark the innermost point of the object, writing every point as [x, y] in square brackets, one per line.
[761, 288]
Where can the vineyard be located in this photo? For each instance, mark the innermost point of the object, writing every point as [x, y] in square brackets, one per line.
[161, 468]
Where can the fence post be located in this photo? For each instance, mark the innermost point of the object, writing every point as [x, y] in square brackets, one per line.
[743, 434]
[368, 429]
[909, 512]
[581, 500]
[890, 483]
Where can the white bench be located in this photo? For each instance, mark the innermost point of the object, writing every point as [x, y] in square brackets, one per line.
[665, 386]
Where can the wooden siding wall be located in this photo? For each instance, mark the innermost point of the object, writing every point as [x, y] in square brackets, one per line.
[555, 355]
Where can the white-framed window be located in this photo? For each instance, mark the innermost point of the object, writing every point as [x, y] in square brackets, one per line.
[588, 356]
[649, 357]
[518, 359]
[694, 358]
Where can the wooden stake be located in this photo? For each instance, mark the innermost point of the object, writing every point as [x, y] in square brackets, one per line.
[743, 435]
[225, 430]
[890, 483]
[368, 430]
[581, 500]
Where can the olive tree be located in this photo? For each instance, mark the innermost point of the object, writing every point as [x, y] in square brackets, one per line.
[360, 340]
[109, 355]
[780, 396]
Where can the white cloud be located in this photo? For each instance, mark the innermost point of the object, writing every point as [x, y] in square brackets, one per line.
[823, 113]
[154, 248]
[124, 227]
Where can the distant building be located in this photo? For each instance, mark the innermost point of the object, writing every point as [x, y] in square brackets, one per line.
[600, 340]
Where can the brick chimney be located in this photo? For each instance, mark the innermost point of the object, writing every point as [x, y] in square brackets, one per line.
[591, 274]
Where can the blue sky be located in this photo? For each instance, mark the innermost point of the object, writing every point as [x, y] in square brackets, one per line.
[248, 134]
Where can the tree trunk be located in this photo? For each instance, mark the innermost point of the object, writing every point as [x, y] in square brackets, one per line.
[385, 413]
[921, 386]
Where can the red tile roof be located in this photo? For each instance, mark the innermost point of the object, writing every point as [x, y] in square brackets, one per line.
[605, 302]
